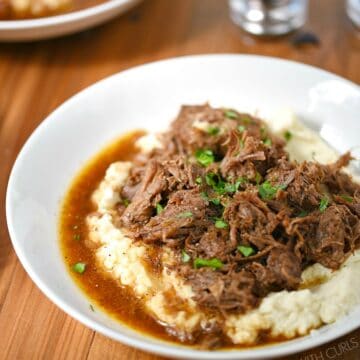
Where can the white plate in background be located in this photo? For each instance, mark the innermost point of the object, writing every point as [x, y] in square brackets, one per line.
[65, 24]
[148, 97]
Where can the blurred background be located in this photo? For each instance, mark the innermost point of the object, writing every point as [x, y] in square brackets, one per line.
[158, 29]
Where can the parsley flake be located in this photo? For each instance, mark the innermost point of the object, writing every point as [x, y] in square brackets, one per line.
[240, 181]
[267, 142]
[303, 213]
[347, 198]
[206, 197]
[231, 114]
[230, 188]
[268, 191]
[184, 215]
[77, 237]
[220, 186]
[246, 250]
[212, 263]
[324, 202]
[204, 157]
[246, 119]
[216, 182]
[159, 208]
[258, 178]
[241, 128]
[213, 130]
[263, 131]
[221, 224]
[185, 257]
[287, 135]
[79, 267]
[215, 201]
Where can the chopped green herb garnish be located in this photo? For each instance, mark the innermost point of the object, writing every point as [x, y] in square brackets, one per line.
[287, 135]
[268, 191]
[206, 197]
[258, 177]
[267, 142]
[347, 198]
[79, 267]
[198, 180]
[231, 114]
[263, 131]
[324, 202]
[222, 187]
[216, 182]
[77, 237]
[303, 213]
[213, 130]
[126, 202]
[246, 250]
[221, 224]
[185, 214]
[211, 179]
[230, 188]
[212, 263]
[215, 201]
[241, 142]
[91, 308]
[204, 157]
[241, 128]
[240, 181]
[185, 257]
[246, 119]
[159, 208]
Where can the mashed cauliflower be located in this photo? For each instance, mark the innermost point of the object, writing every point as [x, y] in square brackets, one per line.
[285, 313]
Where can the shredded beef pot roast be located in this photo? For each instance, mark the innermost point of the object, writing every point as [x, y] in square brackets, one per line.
[242, 219]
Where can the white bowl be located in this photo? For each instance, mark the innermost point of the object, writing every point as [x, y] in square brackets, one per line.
[69, 23]
[148, 97]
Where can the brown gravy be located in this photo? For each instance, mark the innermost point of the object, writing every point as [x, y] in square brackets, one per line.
[105, 293]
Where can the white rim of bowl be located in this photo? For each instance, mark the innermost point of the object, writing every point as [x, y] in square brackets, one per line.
[89, 12]
[162, 348]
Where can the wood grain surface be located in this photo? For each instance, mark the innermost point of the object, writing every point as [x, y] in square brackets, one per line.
[35, 78]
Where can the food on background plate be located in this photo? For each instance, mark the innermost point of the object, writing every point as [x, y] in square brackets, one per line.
[225, 230]
[25, 9]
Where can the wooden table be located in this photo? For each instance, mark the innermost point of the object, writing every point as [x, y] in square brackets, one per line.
[35, 78]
